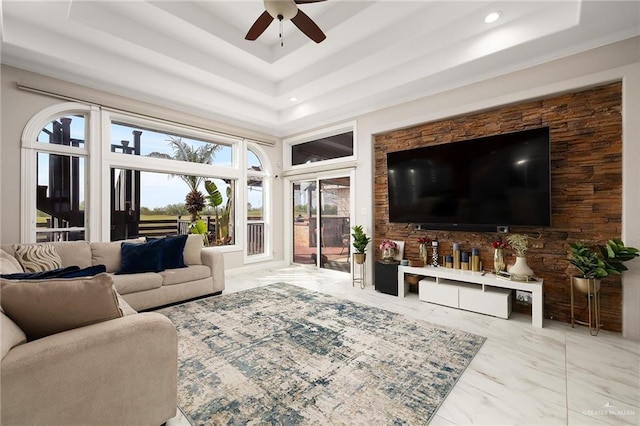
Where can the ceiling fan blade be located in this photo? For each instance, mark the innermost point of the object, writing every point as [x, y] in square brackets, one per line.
[259, 26]
[307, 26]
[308, 1]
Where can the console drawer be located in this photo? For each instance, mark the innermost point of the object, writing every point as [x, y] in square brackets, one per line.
[493, 301]
[442, 294]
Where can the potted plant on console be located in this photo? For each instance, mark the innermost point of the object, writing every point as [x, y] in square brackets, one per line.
[360, 243]
[519, 270]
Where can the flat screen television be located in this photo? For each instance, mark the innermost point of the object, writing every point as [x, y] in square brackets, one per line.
[478, 184]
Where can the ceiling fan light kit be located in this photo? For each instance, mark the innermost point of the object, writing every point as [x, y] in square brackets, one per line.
[286, 10]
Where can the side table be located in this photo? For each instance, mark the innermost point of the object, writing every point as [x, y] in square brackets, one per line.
[386, 277]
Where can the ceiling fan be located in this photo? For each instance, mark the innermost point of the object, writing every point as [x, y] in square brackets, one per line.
[284, 10]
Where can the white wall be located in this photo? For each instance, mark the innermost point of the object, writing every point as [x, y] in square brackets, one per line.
[620, 61]
[18, 106]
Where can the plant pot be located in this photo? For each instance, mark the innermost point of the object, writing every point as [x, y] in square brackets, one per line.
[520, 269]
[359, 258]
[586, 285]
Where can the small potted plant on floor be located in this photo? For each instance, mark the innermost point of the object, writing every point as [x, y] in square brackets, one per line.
[360, 243]
[598, 262]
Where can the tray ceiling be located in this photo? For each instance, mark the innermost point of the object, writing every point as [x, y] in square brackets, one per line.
[192, 55]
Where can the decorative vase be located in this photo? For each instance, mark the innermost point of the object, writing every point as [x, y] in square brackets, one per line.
[424, 253]
[434, 254]
[498, 260]
[520, 269]
[388, 254]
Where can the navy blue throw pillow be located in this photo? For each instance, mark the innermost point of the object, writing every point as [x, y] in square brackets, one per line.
[172, 257]
[68, 272]
[143, 257]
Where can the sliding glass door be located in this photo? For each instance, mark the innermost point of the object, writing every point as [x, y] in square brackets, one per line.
[321, 222]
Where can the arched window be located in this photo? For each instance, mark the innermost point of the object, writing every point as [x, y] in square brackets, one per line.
[258, 210]
[97, 174]
[55, 160]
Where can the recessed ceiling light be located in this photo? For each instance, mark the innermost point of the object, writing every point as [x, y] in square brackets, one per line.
[492, 17]
[293, 99]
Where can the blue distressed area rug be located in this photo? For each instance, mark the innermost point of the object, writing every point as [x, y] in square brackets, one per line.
[284, 355]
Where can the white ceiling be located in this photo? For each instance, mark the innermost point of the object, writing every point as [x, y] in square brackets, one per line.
[192, 55]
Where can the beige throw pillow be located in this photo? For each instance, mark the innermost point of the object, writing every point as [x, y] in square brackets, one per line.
[10, 334]
[44, 307]
[192, 249]
[37, 257]
[9, 264]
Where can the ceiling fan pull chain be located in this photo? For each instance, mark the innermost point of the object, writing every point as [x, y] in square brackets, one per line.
[281, 31]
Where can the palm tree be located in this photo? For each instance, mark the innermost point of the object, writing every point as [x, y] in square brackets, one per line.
[194, 201]
[182, 151]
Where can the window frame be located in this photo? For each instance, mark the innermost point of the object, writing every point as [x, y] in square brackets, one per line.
[333, 163]
[99, 160]
[267, 206]
[162, 165]
[29, 149]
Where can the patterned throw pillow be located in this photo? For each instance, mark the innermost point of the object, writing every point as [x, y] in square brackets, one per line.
[37, 257]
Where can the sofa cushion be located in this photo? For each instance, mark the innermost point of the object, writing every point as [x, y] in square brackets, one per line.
[173, 250]
[192, 249]
[145, 257]
[10, 334]
[190, 273]
[37, 257]
[44, 307]
[74, 253]
[131, 283]
[108, 254]
[125, 307]
[9, 264]
[68, 272]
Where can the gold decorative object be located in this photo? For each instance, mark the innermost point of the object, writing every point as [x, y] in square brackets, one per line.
[424, 253]
[498, 260]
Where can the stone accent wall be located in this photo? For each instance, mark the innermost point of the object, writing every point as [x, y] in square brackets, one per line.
[586, 188]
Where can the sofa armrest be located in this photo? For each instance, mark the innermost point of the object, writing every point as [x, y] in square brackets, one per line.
[214, 259]
[122, 371]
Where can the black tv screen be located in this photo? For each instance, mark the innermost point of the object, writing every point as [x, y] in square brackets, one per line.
[501, 180]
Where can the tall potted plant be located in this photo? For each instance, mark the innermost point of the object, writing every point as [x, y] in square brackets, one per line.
[598, 262]
[360, 243]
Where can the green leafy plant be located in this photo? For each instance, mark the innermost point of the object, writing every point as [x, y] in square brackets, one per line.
[360, 239]
[223, 214]
[602, 260]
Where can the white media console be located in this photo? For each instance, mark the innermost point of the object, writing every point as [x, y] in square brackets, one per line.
[471, 291]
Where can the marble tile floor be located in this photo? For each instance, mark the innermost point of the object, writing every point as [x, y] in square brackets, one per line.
[556, 375]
